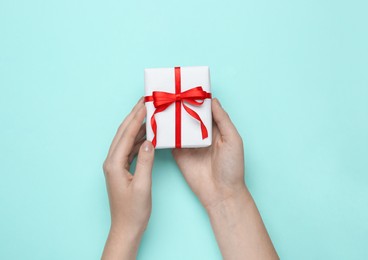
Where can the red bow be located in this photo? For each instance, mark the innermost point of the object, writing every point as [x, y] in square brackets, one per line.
[162, 100]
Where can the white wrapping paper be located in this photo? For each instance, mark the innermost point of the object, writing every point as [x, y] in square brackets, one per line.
[163, 79]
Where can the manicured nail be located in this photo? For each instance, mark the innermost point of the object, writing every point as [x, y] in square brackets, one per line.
[147, 146]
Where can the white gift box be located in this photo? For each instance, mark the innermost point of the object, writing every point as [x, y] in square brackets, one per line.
[175, 93]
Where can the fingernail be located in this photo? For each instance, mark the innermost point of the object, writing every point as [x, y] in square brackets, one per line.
[147, 146]
[218, 101]
[140, 100]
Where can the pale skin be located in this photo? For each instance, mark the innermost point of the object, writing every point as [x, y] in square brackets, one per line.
[215, 174]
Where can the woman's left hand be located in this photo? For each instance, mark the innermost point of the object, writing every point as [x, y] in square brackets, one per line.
[129, 195]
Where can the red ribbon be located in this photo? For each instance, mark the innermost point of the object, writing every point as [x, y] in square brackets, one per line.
[162, 100]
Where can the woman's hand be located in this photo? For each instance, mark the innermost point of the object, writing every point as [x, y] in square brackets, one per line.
[215, 173]
[216, 176]
[129, 195]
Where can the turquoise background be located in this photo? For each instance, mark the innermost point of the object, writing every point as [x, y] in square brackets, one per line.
[292, 75]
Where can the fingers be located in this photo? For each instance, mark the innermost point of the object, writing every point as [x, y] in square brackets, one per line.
[141, 134]
[222, 120]
[138, 142]
[125, 144]
[124, 124]
[135, 150]
[143, 170]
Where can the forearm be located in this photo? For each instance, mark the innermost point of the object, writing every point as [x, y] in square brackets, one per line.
[121, 245]
[239, 228]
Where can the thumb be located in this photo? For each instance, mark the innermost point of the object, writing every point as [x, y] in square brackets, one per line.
[222, 120]
[143, 169]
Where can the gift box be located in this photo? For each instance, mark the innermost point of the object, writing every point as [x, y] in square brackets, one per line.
[178, 102]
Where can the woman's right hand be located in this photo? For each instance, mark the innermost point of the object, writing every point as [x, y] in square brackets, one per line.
[215, 173]
[216, 176]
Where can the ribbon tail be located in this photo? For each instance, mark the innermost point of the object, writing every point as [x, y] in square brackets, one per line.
[154, 124]
[154, 129]
[196, 116]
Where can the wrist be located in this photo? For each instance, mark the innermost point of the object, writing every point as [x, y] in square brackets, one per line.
[230, 205]
[239, 229]
[122, 244]
[126, 233]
